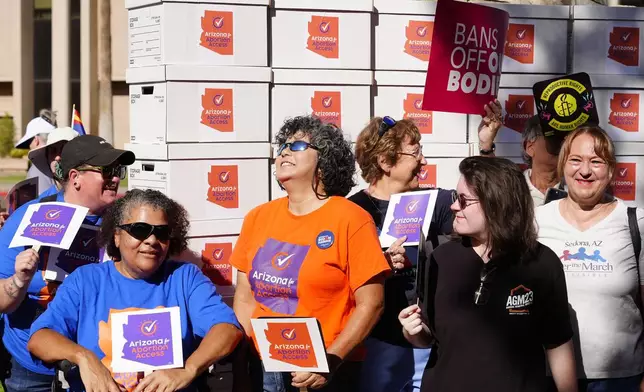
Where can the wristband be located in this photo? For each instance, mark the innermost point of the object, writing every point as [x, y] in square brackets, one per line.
[488, 152]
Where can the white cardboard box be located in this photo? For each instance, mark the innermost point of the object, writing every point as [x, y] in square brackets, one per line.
[330, 5]
[400, 95]
[518, 105]
[403, 42]
[198, 34]
[608, 47]
[217, 184]
[620, 100]
[212, 256]
[327, 40]
[141, 3]
[170, 104]
[339, 97]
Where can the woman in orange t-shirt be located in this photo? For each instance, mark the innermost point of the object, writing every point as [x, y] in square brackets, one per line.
[311, 254]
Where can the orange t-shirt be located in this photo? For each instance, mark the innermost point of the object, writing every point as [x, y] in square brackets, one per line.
[309, 266]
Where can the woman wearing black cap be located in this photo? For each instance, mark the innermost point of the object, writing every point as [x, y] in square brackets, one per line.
[91, 170]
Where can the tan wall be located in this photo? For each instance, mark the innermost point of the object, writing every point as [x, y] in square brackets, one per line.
[9, 36]
[121, 107]
[119, 39]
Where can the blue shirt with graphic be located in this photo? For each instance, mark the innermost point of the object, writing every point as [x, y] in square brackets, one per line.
[83, 303]
[39, 293]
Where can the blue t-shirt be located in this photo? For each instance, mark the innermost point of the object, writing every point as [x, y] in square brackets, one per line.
[39, 293]
[52, 190]
[83, 304]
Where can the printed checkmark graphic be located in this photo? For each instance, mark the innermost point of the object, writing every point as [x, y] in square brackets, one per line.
[422, 31]
[224, 176]
[622, 172]
[324, 26]
[418, 104]
[87, 241]
[53, 214]
[219, 99]
[412, 206]
[626, 103]
[521, 34]
[626, 36]
[520, 105]
[327, 101]
[289, 334]
[219, 22]
[149, 328]
[423, 174]
[283, 260]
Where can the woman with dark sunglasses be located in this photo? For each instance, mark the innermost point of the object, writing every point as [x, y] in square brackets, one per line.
[310, 254]
[497, 303]
[140, 232]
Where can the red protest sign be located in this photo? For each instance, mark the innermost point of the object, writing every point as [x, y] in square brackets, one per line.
[466, 57]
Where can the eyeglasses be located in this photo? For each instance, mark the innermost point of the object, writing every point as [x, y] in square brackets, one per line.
[297, 145]
[482, 294]
[463, 201]
[141, 231]
[108, 172]
[418, 154]
[386, 124]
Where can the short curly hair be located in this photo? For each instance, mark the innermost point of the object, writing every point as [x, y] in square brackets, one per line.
[118, 211]
[370, 146]
[336, 166]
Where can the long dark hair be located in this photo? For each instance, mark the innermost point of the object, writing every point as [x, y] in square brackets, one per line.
[505, 199]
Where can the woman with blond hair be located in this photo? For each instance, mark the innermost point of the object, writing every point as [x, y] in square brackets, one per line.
[589, 230]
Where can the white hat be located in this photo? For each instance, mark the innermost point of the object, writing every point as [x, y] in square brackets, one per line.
[35, 127]
[38, 156]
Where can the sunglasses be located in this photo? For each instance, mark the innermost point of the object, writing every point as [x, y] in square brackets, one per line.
[297, 145]
[482, 294]
[386, 124]
[463, 201]
[141, 231]
[108, 172]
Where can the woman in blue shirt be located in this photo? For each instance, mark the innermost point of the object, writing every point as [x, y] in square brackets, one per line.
[140, 232]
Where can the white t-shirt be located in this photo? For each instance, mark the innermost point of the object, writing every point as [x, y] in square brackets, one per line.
[601, 278]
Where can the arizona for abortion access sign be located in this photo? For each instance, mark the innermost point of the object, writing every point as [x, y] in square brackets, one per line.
[465, 61]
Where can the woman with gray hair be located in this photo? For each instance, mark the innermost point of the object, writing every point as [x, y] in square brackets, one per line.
[311, 254]
[540, 154]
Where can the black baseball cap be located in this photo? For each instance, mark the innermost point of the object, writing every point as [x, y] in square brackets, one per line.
[92, 150]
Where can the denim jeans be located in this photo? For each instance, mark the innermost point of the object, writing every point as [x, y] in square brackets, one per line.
[626, 384]
[24, 380]
[345, 379]
[391, 368]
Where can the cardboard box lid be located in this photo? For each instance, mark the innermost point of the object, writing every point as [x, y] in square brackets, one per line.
[156, 152]
[142, 3]
[523, 80]
[625, 82]
[219, 151]
[219, 227]
[405, 7]
[331, 5]
[601, 12]
[445, 150]
[400, 78]
[526, 11]
[629, 148]
[183, 151]
[196, 73]
[322, 76]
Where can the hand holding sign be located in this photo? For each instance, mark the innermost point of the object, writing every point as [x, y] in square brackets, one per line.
[465, 61]
[26, 267]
